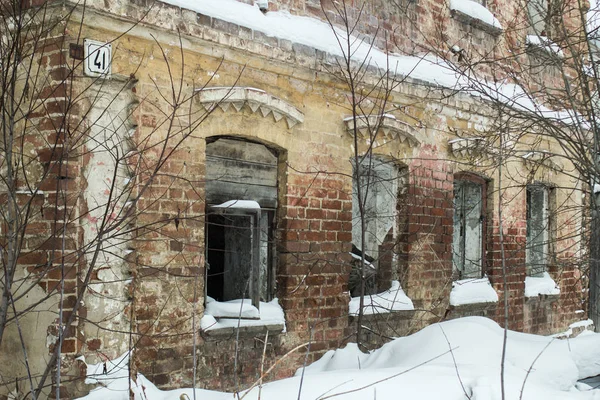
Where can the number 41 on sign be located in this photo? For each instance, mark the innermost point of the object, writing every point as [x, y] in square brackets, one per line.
[98, 56]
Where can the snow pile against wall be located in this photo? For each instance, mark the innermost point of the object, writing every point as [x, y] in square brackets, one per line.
[393, 299]
[544, 285]
[472, 291]
[419, 366]
[584, 327]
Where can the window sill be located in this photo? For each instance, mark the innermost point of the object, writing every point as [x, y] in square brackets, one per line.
[541, 287]
[244, 331]
[475, 292]
[390, 301]
[541, 46]
[543, 298]
[399, 315]
[270, 319]
[474, 14]
[468, 309]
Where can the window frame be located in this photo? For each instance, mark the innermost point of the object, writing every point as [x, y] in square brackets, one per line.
[547, 222]
[386, 269]
[261, 285]
[537, 17]
[254, 216]
[483, 184]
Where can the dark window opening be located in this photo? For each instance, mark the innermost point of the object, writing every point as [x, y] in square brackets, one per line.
[241, 198]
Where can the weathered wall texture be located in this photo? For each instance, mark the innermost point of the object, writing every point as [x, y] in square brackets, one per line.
[147, 290]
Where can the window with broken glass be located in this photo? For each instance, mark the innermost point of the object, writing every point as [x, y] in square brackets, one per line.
[468, 238]
[383, 185]
[241, 202]
[538, 229]
[537, 11]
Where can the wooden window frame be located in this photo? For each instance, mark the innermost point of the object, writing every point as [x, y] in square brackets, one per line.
[548, 231]
[261, 285]
[483, 183]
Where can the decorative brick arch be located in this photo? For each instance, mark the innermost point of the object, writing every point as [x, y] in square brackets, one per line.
[387, 124]
[254, 99]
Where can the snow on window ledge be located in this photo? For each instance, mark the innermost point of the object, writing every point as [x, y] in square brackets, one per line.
[223, 318]
[545, 44]
[393, 299]
[471, 12]
[541, 286]
[472, 291]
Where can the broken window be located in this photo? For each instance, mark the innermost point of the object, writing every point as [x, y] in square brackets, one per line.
[241, 201]
[537, 11]
[538, 224]
[382, 185]
[469, 226]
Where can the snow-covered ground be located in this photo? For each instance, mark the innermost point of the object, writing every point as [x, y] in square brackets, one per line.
[457, 359]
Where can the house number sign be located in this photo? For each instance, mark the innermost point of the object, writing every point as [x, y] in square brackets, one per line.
[97, 58]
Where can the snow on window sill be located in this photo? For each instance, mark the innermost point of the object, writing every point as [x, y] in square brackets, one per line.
[393, 299]
[473, 13]
[541, 286]
[225, 318]
[472, 291]
[536, 42]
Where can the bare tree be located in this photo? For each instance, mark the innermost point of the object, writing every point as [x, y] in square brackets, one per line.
[77, 180]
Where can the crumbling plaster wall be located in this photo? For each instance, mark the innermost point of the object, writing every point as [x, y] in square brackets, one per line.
[107, 198]
[314, 217]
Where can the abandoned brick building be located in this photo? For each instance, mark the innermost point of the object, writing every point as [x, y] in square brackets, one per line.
[201, 153]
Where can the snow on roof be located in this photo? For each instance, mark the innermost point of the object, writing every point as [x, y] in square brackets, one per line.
[393, 299]
[271, 313]
[317, 34]
[543, 285]
[472, 291]
[475, 11]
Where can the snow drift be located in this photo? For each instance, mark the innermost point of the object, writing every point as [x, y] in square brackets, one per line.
[458, 359]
